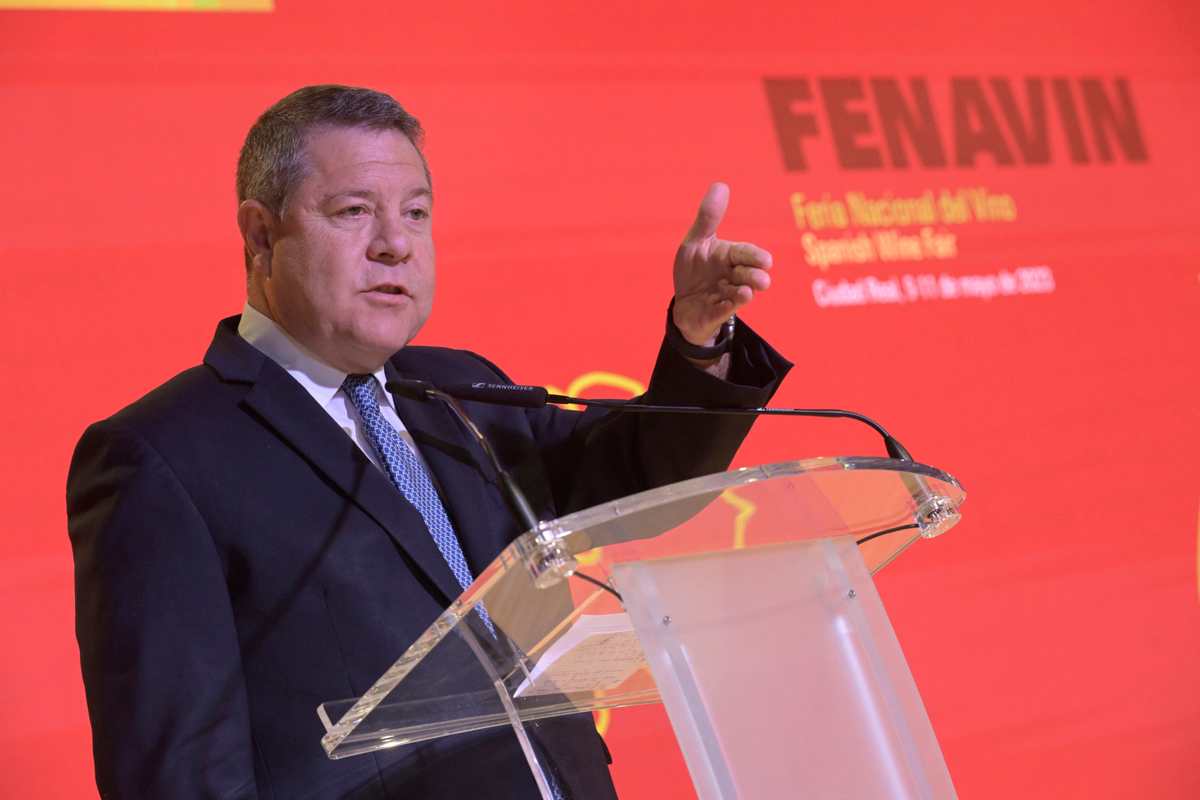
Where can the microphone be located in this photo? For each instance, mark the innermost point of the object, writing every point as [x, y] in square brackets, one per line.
[538, 396]
[423, 390]
[505, 394]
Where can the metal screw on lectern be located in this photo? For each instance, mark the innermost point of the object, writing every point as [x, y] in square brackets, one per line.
[666, 620]
[851, 594]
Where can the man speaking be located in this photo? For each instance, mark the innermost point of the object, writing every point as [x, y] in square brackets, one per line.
[272, 529]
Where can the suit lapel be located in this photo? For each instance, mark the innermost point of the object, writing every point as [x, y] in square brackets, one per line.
[285, 407]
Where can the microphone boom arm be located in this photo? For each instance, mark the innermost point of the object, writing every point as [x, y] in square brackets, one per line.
[515, 497]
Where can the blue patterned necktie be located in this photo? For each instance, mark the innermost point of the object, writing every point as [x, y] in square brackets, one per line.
[407, 472]
[408, 475]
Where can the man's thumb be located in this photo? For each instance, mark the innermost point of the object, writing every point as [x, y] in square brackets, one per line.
[712, 211]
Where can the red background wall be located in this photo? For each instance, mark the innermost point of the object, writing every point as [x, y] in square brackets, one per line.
[1054, 634]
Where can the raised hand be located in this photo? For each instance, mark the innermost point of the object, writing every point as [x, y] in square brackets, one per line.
[714, 278]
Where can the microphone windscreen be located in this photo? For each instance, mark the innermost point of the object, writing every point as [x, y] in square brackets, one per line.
[411, 388]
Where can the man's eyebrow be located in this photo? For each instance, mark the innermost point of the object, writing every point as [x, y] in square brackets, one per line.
[368, 194]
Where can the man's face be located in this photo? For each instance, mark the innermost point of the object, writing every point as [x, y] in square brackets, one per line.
[352, 268]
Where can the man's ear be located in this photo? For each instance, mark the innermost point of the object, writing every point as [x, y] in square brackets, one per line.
[258, 226]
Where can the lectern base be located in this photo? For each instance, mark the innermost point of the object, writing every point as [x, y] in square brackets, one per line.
[790, 639]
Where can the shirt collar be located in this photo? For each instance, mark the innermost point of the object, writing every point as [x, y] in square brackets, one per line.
[318, 378]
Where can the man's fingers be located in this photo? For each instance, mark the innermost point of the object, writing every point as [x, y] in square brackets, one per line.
[750, 255]
[757, 279]
[736, 295]
[712, 211]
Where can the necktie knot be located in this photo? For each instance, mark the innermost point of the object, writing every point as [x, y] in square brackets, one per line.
[357, 386]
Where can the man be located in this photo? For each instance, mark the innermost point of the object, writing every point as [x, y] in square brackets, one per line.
[272, 529]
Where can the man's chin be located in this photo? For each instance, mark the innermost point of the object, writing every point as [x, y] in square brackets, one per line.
[379, 349]
[374, 341]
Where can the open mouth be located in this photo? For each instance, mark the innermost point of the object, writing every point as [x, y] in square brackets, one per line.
[389, 289]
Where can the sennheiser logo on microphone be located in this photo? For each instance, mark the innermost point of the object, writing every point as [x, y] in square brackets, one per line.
[503, 387]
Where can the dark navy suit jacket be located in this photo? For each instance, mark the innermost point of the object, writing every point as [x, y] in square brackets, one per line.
[239, 561]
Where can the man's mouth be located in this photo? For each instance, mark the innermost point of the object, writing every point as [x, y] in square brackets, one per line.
[389, 289]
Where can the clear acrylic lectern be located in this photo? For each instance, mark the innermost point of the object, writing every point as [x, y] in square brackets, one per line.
[742, 601]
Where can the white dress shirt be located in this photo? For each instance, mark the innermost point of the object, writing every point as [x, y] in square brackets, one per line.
[320, 380]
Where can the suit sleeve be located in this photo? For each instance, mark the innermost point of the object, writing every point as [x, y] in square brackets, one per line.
[158, 646]
[593, 457]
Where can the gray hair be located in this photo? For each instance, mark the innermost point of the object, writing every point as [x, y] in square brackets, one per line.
[272, 159]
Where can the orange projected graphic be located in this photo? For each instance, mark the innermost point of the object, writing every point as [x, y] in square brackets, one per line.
[745, 510]
[139, 5]
[603, 719]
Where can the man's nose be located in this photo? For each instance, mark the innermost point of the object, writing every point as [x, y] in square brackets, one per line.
[391, 243]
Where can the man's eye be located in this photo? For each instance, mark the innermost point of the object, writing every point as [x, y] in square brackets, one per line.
[352, 211]
[418, 213]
